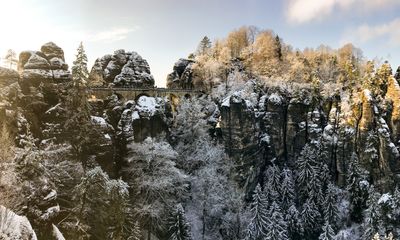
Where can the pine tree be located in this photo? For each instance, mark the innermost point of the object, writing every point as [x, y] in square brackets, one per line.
[330, 208]
[372, 218]
[103, 205]
[396, 204]
[179, 227]
[294, 223]
[287, 189]
[259, 220]
[357, 188]
[278, 48]
[136, 233]
[11, 58]
[277, 227]
[310, 217]
[307, 178]
[204, 46]
[327, 232]
[273, 182]
[79, 127]
[80, 71]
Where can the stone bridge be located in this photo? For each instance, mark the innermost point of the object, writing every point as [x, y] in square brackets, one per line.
[174, 95]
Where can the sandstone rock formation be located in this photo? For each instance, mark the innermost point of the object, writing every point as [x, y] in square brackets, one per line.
[45, 66]
[8, 77]
[121, 69]
[182, 75]
[274, 126]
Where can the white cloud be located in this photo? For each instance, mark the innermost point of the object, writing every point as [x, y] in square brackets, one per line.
[112, 35]
[366, 33]
[302, 11]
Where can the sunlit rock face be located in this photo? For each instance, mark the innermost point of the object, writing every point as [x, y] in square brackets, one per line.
[121, 69]
[8, 77]
[182, 75]
[261, 127]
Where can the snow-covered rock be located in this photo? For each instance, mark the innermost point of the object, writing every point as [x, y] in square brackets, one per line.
[181, 76]
[13, 226]
[121, 69]
[147, 106]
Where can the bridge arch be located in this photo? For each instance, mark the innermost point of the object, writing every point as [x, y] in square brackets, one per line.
[141, 95]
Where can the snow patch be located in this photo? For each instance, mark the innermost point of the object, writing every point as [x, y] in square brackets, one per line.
[51, 196]
[13, 226]
[147, 106]
[386, 197]
[275, 99]
[99, 121]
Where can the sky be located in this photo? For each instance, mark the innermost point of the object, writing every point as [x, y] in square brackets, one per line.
[162, 31]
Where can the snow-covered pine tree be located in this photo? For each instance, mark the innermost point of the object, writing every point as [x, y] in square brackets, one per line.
[294, 223]
[179, 227]
[103, 205]
[136, 233]
[273, 183]
[327, 232]
[259, 215]
[287, 189]
[311, 219]
[78, 126]
[372, 215]
[80, 71]
[357, 186]
[330, 207]
[396, 204]
[307, 178]
[277, 226]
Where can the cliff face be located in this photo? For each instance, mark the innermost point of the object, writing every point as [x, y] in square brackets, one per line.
[272, 126]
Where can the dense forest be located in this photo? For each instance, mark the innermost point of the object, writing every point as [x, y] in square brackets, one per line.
[272, 143]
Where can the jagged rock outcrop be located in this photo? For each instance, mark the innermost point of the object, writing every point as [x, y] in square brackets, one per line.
[121, 69]
[142, 119]
[8, 77]
[45, 66]
[393, 95]
[182, 75]
[10, 98]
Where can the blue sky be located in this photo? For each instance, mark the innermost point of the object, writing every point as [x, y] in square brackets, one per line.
[164, 30]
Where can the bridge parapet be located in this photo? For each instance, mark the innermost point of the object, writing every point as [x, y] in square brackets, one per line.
[134, 93]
